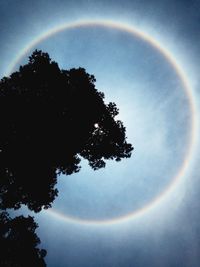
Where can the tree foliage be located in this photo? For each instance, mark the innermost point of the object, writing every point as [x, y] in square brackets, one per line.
[50, 119]
[19, 242]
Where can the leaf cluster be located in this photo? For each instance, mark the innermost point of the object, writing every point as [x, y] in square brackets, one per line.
[50, 119]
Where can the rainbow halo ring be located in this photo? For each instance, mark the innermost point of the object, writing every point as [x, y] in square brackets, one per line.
[187, 90]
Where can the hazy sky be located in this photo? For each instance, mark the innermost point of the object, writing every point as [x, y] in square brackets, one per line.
[156, 109]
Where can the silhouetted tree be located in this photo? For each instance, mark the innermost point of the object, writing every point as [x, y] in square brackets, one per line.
[18, 242]
[50, 118]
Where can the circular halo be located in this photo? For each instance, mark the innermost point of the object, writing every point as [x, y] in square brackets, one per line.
[185, 86]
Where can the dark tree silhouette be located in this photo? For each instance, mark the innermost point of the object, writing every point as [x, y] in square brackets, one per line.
[18, 242]
[50, 118]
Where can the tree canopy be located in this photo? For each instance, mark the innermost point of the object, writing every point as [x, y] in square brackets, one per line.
[50, 119]
[19, 243]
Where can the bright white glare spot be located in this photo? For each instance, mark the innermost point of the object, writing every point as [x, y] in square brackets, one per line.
[96, 125]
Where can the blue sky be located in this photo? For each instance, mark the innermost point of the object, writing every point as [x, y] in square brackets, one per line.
[155, 110]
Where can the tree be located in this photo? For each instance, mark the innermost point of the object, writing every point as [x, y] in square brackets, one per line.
[50, 118]
[19, 242]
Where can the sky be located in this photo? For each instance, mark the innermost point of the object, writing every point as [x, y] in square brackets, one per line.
[143, 211]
